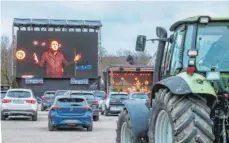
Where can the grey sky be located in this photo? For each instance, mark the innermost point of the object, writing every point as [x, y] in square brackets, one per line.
[122, 21]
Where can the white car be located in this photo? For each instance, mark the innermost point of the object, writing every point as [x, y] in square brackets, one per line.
[19, 102]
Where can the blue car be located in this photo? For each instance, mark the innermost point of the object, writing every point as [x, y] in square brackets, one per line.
[70, 111]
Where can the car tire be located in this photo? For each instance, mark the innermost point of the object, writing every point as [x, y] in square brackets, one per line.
[51, 127]
[3, 117]
[42, 108]
[90, 128]
[96, 118]
[102, 112]
[106, 111]
[34, 117]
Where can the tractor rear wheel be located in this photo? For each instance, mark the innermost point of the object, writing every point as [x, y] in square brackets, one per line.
[180, 119]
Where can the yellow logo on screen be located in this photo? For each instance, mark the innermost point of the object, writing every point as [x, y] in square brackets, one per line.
[20, 55]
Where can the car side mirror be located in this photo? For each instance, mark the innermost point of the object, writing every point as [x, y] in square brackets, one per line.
[140, 43]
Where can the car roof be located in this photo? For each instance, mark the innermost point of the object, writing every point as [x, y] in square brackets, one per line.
[138, 93]
[80, 91]
[50, 91]
[118, 93]
[20, 89]
[68, 96]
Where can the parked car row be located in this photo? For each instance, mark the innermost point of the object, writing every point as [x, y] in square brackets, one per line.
[68, 108]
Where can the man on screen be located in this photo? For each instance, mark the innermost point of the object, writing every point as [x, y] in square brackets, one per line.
[54, 60]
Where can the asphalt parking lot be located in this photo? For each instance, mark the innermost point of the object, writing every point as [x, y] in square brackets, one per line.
[27, 131]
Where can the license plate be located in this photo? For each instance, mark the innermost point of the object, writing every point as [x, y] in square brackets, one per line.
[18, 101]
[71, 121]
[71, 124]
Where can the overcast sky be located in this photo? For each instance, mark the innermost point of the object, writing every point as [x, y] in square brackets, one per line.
[122, 21]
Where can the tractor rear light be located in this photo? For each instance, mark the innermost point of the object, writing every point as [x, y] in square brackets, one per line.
[192, 52]
[190, 70]
[31, 101]
[6, 101]
[226, 96]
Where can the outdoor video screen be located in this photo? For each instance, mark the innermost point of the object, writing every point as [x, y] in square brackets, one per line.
[56, 54]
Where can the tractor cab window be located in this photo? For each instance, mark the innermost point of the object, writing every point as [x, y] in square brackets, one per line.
[187, 45]
[177, 45]
[212, 45]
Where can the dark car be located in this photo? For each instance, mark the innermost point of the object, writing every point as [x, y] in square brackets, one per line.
[3, 94]
[113, 104]
[92, 101]
[100, 95]
[70, 111]
[47, 100]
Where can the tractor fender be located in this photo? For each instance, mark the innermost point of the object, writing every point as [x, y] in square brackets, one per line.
[185, 84]
[139, 115]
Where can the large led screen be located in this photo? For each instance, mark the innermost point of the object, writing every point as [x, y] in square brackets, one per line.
[57, 54]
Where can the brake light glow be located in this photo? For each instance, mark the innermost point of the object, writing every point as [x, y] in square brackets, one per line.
[31, 101]
[6, 101]
[95, 103]
[44, 99]
[55, 108]
[87, 108]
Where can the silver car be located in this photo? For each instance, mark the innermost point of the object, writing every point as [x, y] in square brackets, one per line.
[19, 102]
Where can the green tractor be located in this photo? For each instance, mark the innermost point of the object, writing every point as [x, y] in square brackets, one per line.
[190, 95]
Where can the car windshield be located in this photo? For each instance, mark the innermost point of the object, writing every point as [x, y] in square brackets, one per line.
[71, 102]
[139, 96]
[18, 94]
[88, 96]
[212, 45]
[119, 96]
[49, 95]
[3, 94]
[100, 94]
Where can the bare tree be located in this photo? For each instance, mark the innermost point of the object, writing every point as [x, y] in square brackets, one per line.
[6, 60]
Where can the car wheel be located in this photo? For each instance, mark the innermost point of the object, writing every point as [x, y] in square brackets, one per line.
[96, 118]
[106, 111]
[102, 112]
[42, 108]
[34, 117]
[90, 128]
[3, 117]
[50, 126]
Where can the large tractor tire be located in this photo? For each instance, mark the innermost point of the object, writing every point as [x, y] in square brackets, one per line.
[180, 119]
[123, 131]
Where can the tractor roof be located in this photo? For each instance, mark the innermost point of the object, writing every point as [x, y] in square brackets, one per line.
[195, 19]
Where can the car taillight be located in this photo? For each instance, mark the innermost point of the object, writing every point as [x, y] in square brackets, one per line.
[95, 103]
[44, 99]
[55, 108]
[31, 101]
[6, 101]
[87, 108]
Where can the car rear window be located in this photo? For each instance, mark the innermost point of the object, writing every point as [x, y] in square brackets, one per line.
[100, 94]
[19, 94]
[88, 96]
[60, 93]
[119, 96]
[49, 95]
[71, 101]
[139, 96]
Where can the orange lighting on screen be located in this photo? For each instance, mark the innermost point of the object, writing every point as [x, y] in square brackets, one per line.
[27, 76]
[20, 55]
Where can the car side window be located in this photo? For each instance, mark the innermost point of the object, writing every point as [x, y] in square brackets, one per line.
[177, 45]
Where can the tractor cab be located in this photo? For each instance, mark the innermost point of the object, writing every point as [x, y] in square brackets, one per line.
[198, 45]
